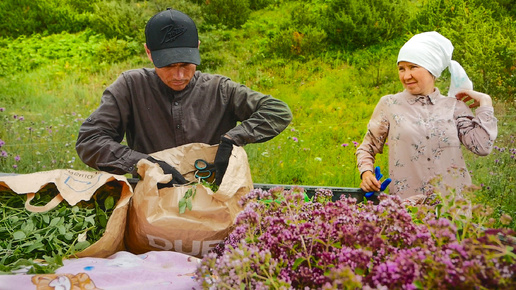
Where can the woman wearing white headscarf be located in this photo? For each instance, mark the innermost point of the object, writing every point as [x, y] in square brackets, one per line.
[426, 129]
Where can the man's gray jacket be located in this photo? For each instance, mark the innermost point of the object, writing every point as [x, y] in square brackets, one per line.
[152, 117]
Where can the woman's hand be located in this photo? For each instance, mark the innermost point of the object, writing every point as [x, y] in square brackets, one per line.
[369, 182]
[479, 99]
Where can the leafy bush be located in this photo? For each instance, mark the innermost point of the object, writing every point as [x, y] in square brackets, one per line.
[292, 43]
[27, 53]
[303, 35]
[376, 64]
[482, 38]
[65, 51]
[509, 6]
[185, 6]
[354, 24]
[211, 45]
[316, 27]
[25, 17]
[116, 50]
[116, 19]
[259, 4]
[294, 244]
[229, 13]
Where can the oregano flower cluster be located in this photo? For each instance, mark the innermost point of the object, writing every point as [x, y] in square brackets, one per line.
[282, 241]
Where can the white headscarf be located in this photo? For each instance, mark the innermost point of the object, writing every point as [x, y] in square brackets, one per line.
[433, 52]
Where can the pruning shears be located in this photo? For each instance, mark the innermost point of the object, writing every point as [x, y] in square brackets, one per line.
[379, 176]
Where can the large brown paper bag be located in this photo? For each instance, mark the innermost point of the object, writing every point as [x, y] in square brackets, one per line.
[75, 186]
[154, 221]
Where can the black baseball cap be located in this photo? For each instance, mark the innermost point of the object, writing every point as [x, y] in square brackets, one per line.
[172, 37]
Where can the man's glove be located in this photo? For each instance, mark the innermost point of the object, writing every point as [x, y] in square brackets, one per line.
[177, 178]
[222, 158]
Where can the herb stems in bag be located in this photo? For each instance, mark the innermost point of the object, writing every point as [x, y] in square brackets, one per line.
[39, 241]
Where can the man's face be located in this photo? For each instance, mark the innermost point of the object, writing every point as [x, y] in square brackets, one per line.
[177, 75]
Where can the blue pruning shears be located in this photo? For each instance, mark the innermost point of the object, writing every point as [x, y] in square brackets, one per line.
[379, 176]
[204, 169]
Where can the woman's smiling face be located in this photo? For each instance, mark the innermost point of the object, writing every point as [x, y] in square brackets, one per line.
[416, 79]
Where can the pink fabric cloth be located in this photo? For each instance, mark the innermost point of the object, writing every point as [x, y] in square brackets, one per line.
[153, 270]
[424, 137]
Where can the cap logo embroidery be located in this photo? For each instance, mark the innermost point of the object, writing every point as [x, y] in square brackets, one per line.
[172, 33]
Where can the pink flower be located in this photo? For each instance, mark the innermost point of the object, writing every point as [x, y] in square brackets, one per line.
[311, 243]
[17, 158]
[344, 145]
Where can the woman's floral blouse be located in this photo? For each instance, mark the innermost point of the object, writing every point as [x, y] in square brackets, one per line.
[424, 135]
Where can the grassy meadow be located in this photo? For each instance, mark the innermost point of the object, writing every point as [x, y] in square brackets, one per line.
[50, 82]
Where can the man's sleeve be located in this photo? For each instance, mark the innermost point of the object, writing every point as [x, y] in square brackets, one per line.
[98, 142]
[262, 117]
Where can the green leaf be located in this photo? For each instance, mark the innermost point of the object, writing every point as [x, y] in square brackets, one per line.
[188, 193]
[182, 206]
[297, 262]
[28, 226]
[319, 241]
[359, 271]
[186, 201]
[78, 226]
[34, 246]
[18, 235]
[109, 203]
[102, 219]
[61, 229]
[438, 210]
[90, 219]
[82, 245]
[68, 236]
[54, 221]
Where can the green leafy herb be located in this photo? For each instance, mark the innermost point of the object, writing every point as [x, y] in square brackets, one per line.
[186, 201]
[39, 241]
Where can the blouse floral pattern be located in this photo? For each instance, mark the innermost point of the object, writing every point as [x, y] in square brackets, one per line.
[424, 136]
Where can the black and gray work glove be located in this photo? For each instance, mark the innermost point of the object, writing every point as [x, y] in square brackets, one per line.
[177, 178]
[222, 158]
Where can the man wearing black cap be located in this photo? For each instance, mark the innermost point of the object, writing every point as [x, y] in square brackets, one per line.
[173, 104]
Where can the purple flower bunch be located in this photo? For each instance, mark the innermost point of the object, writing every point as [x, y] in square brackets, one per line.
[319, 244]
